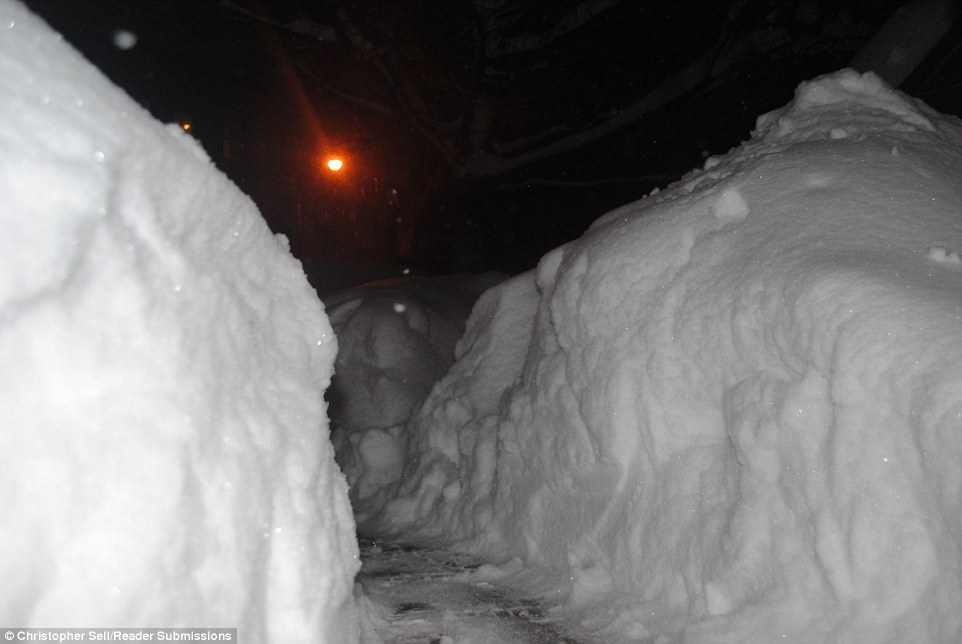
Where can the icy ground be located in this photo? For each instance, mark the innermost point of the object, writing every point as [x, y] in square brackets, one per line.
[419, 595]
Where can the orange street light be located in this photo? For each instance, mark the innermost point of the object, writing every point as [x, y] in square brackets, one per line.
[335, 164]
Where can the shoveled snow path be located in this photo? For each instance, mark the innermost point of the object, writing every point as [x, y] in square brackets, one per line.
[435, 597]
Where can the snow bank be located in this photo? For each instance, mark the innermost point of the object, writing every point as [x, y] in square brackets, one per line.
[163, 365]
[732, 411]
[397, 339]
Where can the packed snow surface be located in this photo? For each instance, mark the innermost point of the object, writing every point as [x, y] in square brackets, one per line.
[732, 411]
[166, 456]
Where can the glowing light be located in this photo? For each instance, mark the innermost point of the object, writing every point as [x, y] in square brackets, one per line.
[334, 165]
[186, 126]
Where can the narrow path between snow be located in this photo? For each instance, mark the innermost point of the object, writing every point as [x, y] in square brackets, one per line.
[433, 597]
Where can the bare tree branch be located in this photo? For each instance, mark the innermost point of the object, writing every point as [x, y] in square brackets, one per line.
[303, 26]
[344, 96]
[906, 39]
[582, 13]
[403, 90]
[485, 164]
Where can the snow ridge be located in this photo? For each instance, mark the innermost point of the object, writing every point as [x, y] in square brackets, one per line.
[729, 412]
[164, 362]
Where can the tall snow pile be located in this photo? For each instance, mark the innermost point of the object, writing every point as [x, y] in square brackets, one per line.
[397, 339]
[732, 411]
[166, 459]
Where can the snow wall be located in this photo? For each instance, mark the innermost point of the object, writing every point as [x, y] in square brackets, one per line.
[731, 411]
[166, 458]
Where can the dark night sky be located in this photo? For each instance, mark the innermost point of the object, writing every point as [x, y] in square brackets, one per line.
[434, 114]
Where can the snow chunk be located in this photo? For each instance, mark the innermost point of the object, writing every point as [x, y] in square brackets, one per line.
[730, 206]
[717, 433]
[943, 255]
[164, 361]
[825, 100]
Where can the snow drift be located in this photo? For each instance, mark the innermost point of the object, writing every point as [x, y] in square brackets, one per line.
[163, 365]
[732, 411]
[397, 339]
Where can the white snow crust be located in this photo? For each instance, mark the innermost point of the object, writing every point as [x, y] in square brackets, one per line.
[162, 366]
[732, 411]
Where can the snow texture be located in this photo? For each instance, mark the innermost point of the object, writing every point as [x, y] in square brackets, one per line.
[163, 359]
[732, 411]
[397, 339]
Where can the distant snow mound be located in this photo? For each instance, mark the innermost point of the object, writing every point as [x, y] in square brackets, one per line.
[397, 338]
[166, 458]
[732, 411]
